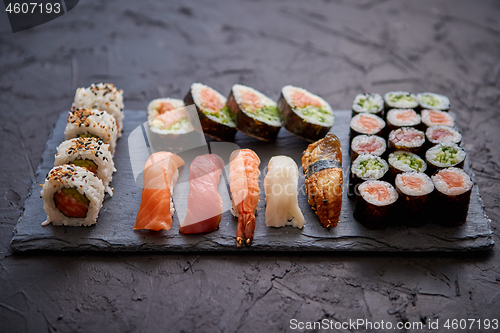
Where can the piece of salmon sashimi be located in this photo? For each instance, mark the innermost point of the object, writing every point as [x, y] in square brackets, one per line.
[160, 175]
[204, 209]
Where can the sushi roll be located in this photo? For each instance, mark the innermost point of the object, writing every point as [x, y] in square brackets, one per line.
[89, 153]
[280, 185]
[406, 138]
[366, 123]
[415, 190]
[375, 204]
[400, 100]
[453, 191]
[104, 97]
[443, 134]
[367, 144]
[443, 156]
[433, 101]
[254, 113]
[366, 167]
[159, 106]
[404, 161]
[86, 123]
[369, 103]
[212, 111]
[436, 117]
[305, 114]
[72, 196]
[397, 118]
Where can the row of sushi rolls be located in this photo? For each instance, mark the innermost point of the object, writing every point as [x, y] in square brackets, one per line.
[406, 160]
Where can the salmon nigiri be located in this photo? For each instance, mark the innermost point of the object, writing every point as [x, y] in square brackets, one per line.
[204, 210]
[160, 176]
[244, 185]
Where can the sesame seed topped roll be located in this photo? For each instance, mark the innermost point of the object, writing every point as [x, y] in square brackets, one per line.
[89, 153]
[92, 123]
[72, 196]
[102, 96]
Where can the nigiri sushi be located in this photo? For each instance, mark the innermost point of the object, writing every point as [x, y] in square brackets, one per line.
[280, 184]
[244, 185]
[322, 164]
[204, 210]
[157, 207]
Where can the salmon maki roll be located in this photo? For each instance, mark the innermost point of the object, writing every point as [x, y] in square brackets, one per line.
[157, 207]
[244, 185]
[204, 210]
[436, 117]
[375, 204]
[367, 124]
[322, 166]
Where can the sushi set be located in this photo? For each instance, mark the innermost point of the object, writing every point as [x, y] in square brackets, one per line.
[403, 167]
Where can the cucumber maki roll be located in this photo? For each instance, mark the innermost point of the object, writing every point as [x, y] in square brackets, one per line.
[443, 156]
[404, 161]
[213, 112]
[415, 190]
[433, 101]
[436, 117]
[375, 204]
[367, 144]
[370, 103]
[400, 100]
[443, 134]
[254, 113]
[406, 138]
[366, 123]
[365, 167]
[453, 191]
[397, 118]
[305, 114]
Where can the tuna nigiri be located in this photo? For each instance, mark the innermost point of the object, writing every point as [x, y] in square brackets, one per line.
[204, 210]
[280, 184]
[157, 207]
[244, 185]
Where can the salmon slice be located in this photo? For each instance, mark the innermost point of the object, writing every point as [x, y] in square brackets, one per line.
[301, 100]
[204, 210]
[244, 185]
[379, 191]
[438, 117]
[368, 147]
[452, 179]
[172, 117]
[412, 182]
[252, 100]
[404, 116]
[160, 176]
[407, 136]
[368, 123]
[211, 100]
[440, 133]
[165, 107]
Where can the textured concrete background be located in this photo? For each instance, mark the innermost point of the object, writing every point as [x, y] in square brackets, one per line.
[335, 48]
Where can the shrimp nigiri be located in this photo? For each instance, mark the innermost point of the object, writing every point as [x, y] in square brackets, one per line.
[244, 185]
[160, 176]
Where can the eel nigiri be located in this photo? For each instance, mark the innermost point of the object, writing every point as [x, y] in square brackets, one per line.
[280, 184]
[160, 176]
[322, 165]
[204, 210]
[244, 185]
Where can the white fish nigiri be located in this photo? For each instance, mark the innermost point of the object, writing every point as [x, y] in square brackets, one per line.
[280, 184]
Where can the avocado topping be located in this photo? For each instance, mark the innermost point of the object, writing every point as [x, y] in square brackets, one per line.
[87, 164]
[319, 114]
[88, 135]
[73, 192]
[222, 116]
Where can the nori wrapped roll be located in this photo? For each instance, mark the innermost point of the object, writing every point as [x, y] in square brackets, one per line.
[406, 138]
[366, 123]
[415, 190]
[433, 101]
[375, 204]
[443, 156]
[365, 167]
[368, 103]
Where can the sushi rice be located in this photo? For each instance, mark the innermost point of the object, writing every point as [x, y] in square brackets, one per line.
[443, 134]
[368, 144]
[371, 103]
[414, 183]
[378, 193]
[401, 100]
[433, 101]
[403, 117]
[436, 117]
[452, 181]
[445, 155]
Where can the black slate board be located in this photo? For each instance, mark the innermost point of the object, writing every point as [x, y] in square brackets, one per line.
[113, 231]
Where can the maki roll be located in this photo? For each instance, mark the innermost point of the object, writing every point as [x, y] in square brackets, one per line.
[404, 161]
[89, 153]
[436, 117]
[87, 123]
[443, 134]
[212, 111]
[370, 103]
[375, 204]
[366, 167]
[305, 114]
[406, 138]
[367, 144]
[254, 113]
[366, 123]
[400, 100]
[453, 190]
[104, 97]
[414, 189]
[443, 156]
[402, 118]
[433, 101]
[72, 196]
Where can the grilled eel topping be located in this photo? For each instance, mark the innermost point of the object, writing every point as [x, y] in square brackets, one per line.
[322, 166]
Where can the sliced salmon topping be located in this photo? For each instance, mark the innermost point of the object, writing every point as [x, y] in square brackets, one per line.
[301, 100]
[407, 136]
[404, 116]
[172, 117]
[211, 100]
[368, 147]
[440, 133]
[379, 191]
[368, 123]
[252, 100]
[165, 107]
[438, 117]
[414, 183]
[452, 179]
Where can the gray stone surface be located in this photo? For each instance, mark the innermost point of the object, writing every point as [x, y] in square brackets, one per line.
[113, 232]
[335, 48]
